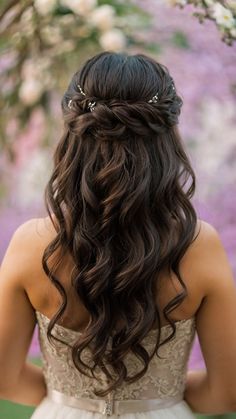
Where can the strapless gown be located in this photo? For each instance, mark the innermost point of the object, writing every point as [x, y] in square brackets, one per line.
[157, 395]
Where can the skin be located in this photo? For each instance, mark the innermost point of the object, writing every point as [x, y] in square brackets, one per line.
[206, 271]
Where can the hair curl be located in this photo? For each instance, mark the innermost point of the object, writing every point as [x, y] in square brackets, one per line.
[120, 192]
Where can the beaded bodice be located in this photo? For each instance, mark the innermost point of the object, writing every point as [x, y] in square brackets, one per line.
[165, 377]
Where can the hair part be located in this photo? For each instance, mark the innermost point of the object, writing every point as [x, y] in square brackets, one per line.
[120, 191]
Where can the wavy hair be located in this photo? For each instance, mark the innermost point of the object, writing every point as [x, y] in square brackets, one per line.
[120, 194]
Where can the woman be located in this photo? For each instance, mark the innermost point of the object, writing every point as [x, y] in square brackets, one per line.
[121, 273]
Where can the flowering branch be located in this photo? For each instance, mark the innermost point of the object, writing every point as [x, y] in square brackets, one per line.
[39, 38]
[222, 12]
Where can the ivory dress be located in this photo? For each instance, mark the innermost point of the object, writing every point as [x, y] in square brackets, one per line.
[157, 395]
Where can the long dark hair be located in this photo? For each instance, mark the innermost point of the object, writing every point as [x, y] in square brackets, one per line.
[120, 193]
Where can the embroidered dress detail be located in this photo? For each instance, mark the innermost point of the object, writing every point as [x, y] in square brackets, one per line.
[160, 390]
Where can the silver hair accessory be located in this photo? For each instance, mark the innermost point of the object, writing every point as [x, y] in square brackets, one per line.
[91, 105]
[81, 91]
[154, 99]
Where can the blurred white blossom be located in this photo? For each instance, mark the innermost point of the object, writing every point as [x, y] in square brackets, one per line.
[233, 32]
[223, 16]
[35, 79]
[33, 68]
[51, 34]
[30, 91]
[103, 17]
[80, 7]
[27, 21]
[66, 46]
[29, 69]
[67, 20]
[113, 40]
[44, 7]
[210, 3]
[32, 178]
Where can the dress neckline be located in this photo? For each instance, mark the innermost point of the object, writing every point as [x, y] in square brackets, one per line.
[67, 329]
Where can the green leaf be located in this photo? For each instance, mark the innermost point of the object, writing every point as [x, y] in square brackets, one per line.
[153, 47]
[180, 40]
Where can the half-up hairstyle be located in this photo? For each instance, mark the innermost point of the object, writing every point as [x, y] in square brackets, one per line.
[120, 194]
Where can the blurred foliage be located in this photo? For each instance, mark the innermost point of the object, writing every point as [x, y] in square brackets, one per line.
[180, 40]
[44, 41]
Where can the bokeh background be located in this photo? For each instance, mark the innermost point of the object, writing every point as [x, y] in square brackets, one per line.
[43, 42]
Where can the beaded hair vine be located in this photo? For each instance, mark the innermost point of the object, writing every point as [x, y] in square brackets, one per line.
[91, 105]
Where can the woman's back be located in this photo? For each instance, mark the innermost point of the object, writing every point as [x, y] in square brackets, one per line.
[122, 265]
[45, 298]
[165, 378]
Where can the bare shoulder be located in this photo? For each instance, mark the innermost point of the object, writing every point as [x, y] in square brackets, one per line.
[32, 233]
[206, 242]
[26, 247]
[206, 261]
[206, 234]
[33, 228]
[32, 237]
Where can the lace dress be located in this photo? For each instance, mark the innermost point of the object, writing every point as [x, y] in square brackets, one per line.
[158, 394]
